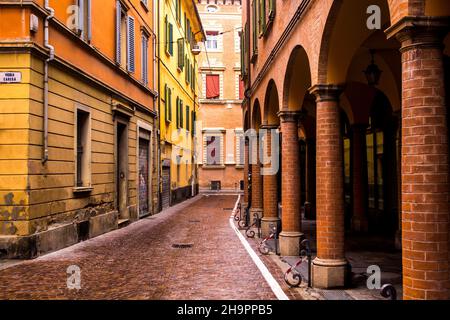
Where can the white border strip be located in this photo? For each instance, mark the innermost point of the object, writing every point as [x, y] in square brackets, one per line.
[279, 293]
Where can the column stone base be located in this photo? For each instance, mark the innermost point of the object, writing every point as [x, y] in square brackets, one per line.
[327, 274]
[290, 243]
[360, 224]
[266, 223]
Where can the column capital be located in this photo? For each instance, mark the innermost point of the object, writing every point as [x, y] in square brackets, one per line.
[326, 92]
[419, 32]
[289, 116]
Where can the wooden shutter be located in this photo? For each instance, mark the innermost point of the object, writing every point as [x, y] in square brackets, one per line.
[166, 101]
[131, 45]
[181, 114]
[170, 39]
[118, 32]
[188, 122]
[272, 10]
[80, 22]
[170, 104]
[166, 33]
[145, 59]
[89, 20]
[181, 63]
[212, 86]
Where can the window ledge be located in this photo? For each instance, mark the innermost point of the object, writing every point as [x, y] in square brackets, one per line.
[78, 190]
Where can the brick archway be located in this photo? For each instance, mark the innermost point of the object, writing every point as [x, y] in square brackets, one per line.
[297, 80]
[271, 104]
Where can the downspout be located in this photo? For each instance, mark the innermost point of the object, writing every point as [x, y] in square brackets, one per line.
[51, 57]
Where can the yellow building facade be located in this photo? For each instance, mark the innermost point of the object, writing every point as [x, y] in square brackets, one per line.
[78, 128]
[180, 30]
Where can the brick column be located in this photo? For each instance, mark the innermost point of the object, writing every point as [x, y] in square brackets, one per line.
[270, 190]
[257, 184]
[359, 165]
[330, 267]
[310, 204]
[246, 172]
[425, 163]
[290, 185]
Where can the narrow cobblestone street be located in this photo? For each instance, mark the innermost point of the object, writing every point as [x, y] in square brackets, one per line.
[139, 262]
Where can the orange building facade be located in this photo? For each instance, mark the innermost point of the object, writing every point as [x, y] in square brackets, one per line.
[78, 128]
[220, 114]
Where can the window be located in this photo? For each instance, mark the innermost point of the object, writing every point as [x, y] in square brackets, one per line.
[145, 59]
[261, 17]
[125, 50]
[130, 45]
[254, 27]
[168, 32]
[120, 32]
[83, 149]
[168, 103]
[188, 71]
[213, 150]
[212, 86]
[193, 119]
[178, 10]
[212, 40]
[84, 26]
[180, 120]
[181, 63]
[188, 115]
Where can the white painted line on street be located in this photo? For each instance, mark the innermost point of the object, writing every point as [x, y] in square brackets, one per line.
[279, 293]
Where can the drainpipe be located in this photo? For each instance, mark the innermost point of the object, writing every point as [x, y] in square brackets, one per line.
[158, 40]
[51, 14]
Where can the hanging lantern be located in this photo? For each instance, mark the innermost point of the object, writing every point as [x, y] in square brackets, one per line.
[373, 72]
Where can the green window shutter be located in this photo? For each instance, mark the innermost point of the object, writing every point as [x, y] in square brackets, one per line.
[171, 39]
[272, 10]
[178, 114]
[178, 10]
[193, 78]
[187, 118]
[181, 63]
[166, 101]
[170, 104]
[185, 26]
[255, 26]
[181, 114]
[262, 16]
[166, 34]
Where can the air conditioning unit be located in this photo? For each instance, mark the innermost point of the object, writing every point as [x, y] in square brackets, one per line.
[196, 49]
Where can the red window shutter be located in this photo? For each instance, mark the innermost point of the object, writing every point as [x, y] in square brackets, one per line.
[241, 89]
[212, 86]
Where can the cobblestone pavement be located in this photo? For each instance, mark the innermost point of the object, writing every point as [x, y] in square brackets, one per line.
[139, 262]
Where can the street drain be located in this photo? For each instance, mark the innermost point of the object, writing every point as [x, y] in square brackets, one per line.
[182, 245]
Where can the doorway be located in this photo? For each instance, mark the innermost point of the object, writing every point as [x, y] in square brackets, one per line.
[122, 169]
[144, 173]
